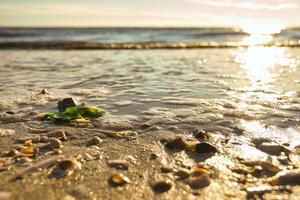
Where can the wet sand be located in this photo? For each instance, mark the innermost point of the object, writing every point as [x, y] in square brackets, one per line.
[238, 169]
[238, 126]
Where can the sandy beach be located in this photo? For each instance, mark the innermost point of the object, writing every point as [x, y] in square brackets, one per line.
[209, 128]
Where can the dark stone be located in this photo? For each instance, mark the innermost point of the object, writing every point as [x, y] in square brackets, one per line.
[205, 147]
[161, 187]
[177, 144]
[65, 103]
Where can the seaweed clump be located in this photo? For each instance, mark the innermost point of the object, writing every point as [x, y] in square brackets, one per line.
[75, 114]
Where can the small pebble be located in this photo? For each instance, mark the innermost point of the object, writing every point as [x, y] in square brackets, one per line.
[161, 187]
[291, 177]
[95, 140]
[205, 147]
[178, 144]
[199, 181]
[54, 143]
[182, 174]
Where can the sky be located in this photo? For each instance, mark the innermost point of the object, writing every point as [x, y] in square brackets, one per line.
[149, 12]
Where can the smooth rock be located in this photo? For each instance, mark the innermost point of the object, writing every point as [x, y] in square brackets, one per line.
[162, 186]
[199, 181]
[176, 144]
[272, 148]
[95, 140]
[290, 177]
[54, 143]
[205, 147]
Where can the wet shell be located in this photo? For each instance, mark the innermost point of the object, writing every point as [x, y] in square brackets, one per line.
[176, 144]
[199, 181]
[199, 171]
[118, 180]
[27, 151]
[205, 147]
[119, 164]
[162, 186]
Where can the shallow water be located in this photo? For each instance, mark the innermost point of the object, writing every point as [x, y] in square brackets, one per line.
[255, 89]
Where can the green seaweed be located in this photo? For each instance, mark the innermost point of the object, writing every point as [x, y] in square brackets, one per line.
[73, 113]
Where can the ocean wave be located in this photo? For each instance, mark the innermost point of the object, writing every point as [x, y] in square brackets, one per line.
[135, 45]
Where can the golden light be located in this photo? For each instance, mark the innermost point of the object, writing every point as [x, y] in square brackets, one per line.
[262, 29]
[254, 40]
[260, 33]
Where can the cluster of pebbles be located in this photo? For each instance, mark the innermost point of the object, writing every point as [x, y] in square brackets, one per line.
[130, 153]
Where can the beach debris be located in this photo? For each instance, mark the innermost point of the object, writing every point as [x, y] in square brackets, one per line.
[6, 132]
[77, 114]
[288, 177]
[118, 180]
[176, 144]
[205, 147]
[54, 143]
[119, 164]
[272, 148]
[162, 186]
[65, 168]
[198, 182]
[182, 174]
[201, 135]
[95, 140]
[35, 167]
[65, 103]
[5, 195]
